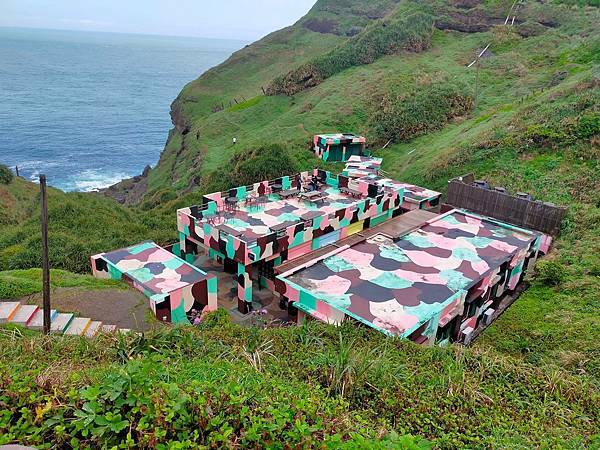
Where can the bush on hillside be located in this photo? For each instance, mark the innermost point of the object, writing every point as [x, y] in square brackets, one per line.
[80, 225]
[402, 116]
[6, 175]
[550, 272]
[263, 163]
[320, 25]
[184, 387]
[406, 29]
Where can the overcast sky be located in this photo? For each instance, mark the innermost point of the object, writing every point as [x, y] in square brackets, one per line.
[233, 19]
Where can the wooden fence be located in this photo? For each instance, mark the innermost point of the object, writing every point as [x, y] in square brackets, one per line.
[524, 213]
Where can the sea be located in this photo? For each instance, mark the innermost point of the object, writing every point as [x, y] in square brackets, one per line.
[89, 109]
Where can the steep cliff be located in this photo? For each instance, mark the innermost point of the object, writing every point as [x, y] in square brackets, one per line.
[362, 66]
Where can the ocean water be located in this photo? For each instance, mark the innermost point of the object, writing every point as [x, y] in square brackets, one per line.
[89, 109]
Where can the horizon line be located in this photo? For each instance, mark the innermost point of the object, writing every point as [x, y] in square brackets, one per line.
[131, 33]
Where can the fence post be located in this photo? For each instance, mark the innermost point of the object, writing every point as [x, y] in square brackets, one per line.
[45, 262]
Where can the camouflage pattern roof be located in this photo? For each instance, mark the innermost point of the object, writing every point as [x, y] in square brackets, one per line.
[397, 286]
[361, 166]
[253, 222]
[411, 192]
[340, 138]
[157, 270]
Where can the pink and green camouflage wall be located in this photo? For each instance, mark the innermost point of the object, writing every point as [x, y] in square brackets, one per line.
[338, 147]
[439, 282]
[283, 229]
[258, 242]
[174, 287]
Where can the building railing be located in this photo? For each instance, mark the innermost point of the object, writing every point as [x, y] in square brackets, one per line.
[213, 207]
[517, 210]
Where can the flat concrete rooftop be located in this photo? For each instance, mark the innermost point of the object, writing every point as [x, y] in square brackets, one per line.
[251, 221]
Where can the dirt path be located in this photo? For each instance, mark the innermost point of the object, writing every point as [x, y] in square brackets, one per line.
[124, 308]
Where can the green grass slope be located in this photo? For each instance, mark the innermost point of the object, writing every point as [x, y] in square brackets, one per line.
[80, 225]
[544, 146]
[523, 58]
[15, 284]
[224, 386]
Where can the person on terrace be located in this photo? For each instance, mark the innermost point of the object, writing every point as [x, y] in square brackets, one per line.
[298, 182]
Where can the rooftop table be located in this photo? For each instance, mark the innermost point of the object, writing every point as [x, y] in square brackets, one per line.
[288, 193]
[311, 215]
[231, 202]
[313, 196]
[352, 192]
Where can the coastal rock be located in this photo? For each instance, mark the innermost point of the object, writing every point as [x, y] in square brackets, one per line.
[129, 191]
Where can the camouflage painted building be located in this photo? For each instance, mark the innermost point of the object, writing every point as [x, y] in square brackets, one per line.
[354, 246]
[252, 229]
[362, 166]
[339, 147]
[174, 287]
[436, 283]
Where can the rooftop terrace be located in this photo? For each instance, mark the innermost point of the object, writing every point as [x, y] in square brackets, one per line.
[154, 270]
[251, 221]
[260, 214]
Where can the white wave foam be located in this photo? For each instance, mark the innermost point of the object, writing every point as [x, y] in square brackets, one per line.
[36, 164]
[92, 180]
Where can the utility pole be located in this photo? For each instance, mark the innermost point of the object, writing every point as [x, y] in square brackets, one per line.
[478, 56]
[477, 80]
[45, 262]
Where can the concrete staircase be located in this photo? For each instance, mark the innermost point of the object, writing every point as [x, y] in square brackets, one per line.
[32, 316]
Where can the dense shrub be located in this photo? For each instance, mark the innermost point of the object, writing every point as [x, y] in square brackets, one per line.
[316, 386]
[158, 198]
[249, 166]
[401, 116]
[80, 225]
[530, 28]
[320, 25]
[6, 175]
[406, 29]
[550, 272]
[587, 126]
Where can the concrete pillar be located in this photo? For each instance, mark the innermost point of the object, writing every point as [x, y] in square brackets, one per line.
[244, 289]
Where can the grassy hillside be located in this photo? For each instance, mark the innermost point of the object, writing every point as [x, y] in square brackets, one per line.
[541, 50]
[543, 145]
[223, 386]
[530, 381]
[15, 284]
[80, 225]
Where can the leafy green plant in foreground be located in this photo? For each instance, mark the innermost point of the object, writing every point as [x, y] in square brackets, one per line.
[348, 387]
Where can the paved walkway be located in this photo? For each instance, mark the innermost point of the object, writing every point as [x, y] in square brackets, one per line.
[227, 295]
[125, 308]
